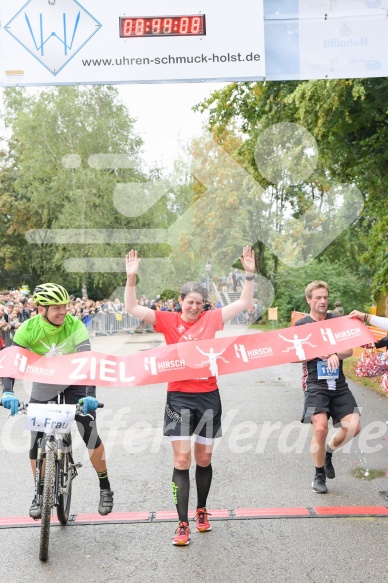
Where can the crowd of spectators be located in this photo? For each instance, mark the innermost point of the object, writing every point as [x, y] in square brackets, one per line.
[15, 308]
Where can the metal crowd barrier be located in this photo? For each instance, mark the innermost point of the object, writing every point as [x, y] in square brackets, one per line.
[108, 323]
[6, 336]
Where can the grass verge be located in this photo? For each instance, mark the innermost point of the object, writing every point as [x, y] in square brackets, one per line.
[349, 365]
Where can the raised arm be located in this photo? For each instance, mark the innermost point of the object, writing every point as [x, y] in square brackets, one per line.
[246, 298]
[378, 321]
[132, 263]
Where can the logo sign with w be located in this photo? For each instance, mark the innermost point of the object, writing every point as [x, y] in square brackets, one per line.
[53, 33]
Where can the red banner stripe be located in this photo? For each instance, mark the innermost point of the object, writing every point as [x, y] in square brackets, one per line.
[186, 360]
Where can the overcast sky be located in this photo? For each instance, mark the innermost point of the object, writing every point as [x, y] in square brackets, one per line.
[165, 120]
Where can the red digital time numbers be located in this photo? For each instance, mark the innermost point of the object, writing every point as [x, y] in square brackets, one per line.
[138, 27]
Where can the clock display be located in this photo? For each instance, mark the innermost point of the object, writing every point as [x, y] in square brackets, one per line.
[158, 26]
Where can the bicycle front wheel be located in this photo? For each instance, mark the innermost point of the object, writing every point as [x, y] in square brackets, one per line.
[65, 485]
[47, 501]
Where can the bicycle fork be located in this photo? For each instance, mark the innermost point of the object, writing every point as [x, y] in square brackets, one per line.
[59, 477]
[58, 471]
[38, 473]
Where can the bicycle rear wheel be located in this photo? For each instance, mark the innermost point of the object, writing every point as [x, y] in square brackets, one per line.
[47, 501]
[64, 499]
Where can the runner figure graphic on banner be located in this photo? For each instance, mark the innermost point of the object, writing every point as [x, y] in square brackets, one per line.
[298, 345]
[212, 356]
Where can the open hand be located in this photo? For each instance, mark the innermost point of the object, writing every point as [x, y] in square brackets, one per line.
[132, 262]
[248, 259]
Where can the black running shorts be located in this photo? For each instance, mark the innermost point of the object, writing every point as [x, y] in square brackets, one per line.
[193, 413]
[337, 404]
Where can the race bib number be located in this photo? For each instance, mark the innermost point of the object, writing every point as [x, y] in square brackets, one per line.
[51, 417]
[324, 373]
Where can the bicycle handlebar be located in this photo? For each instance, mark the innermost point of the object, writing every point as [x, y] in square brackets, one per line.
[24, 406]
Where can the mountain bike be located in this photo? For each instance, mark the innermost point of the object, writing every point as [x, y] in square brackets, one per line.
[54, 462]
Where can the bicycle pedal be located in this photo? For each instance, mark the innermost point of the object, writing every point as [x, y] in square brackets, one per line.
[77, 465]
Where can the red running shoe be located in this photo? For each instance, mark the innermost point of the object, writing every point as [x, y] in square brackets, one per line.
[182, 535]
[203, 525]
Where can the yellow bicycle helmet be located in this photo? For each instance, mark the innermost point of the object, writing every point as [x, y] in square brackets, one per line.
[50, 294]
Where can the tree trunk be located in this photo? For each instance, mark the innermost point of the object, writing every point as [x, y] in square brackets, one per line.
[84, 289]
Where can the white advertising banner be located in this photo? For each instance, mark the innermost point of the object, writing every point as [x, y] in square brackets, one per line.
[52, 42]
[342, 7]
[336, 48]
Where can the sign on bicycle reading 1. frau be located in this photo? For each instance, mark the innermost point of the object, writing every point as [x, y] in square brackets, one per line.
[50, 418]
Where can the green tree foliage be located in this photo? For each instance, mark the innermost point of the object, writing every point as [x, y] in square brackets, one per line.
[51, 181]
[348, 118]
[291, 283]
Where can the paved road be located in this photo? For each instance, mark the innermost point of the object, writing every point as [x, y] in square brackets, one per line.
[262, 461]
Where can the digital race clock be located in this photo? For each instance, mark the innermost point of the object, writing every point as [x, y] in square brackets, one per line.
[157, 26]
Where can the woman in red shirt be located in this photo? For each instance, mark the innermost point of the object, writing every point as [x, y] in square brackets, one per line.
[193, 406]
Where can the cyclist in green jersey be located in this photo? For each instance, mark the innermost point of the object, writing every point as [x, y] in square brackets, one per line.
[54, 332]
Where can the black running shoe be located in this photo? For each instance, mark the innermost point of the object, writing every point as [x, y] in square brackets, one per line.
[329, 468]
[35, 510]
[106, 502]
[319, 484]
